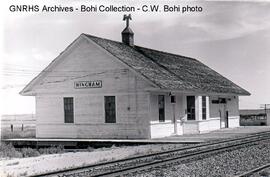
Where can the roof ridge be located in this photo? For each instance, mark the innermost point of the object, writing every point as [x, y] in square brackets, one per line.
[137, 46]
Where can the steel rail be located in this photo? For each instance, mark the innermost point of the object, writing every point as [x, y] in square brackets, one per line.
[253, 171]
[162, 162]
[190, 148]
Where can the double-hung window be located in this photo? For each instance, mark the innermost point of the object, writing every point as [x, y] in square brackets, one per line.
[110, 111]
[68, 110]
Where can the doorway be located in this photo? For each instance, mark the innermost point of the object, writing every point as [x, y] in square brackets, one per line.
[224, 116]
[161, 108]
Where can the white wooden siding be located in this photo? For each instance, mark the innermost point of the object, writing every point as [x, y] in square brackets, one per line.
[87, 62]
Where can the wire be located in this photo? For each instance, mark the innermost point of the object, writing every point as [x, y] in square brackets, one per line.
[66, 77]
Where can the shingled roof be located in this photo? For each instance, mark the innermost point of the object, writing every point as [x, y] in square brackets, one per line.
[169, 71]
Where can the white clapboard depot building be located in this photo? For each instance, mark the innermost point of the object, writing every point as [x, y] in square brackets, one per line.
[99, 88]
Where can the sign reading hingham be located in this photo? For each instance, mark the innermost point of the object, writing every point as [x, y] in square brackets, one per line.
[88, 84]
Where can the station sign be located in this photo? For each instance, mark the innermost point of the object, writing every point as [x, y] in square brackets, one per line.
[87, 84]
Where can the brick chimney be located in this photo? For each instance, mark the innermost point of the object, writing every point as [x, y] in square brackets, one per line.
[127, 33]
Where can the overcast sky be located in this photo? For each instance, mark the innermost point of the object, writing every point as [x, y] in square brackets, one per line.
[233, 38]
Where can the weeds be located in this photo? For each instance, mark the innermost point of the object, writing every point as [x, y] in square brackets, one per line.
[28, 132]
[29, 152]
[52, 150]
[8, 151]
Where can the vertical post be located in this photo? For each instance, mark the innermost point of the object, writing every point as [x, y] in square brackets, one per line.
[265, 109]
[22, 127]
[174, 117]
[174, 120]
[198, 108]
[11, 127]
[265, 106]
[207, 107]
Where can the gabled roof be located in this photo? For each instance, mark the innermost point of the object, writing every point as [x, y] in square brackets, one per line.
[170, 71]
[164, 70]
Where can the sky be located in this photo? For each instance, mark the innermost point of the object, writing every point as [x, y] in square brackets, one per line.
[231, 37]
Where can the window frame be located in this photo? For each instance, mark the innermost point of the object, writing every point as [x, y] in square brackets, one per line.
[106, 119]
[191, 115]
[159, 109]
[68, 102]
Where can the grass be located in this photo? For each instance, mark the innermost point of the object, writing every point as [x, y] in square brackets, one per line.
[8, 151]
[52, 150]
[28, 132]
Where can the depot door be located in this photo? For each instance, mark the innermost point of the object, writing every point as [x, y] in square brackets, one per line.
[224, 116]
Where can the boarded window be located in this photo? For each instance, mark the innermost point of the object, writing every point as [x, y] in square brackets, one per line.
[204, 107]
[110, 109]
[190, 107]
[161, 108]
[68, 110]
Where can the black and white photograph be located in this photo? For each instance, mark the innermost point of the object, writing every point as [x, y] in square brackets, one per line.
[145, 88]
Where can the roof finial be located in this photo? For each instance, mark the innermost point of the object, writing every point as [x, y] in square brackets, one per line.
[127, 18]
[127, 33]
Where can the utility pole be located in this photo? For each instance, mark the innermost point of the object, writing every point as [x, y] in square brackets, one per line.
[265, 107]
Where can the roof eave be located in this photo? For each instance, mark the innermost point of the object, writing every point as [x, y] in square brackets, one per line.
[198, 92]
[25, 93]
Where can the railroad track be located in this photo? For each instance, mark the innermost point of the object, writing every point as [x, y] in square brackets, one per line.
[145, 162]
[255, 171]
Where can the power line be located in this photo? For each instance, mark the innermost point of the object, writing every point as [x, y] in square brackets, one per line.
[38, 71]
[17, 66]
[69, 77]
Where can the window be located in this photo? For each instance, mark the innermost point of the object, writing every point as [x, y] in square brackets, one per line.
[161, 108]
[190, 107]
[173, 99]
[68, 110]
[110, 109]
[204, 107]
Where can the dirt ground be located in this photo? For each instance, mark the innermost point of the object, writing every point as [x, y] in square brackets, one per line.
[36, 165]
